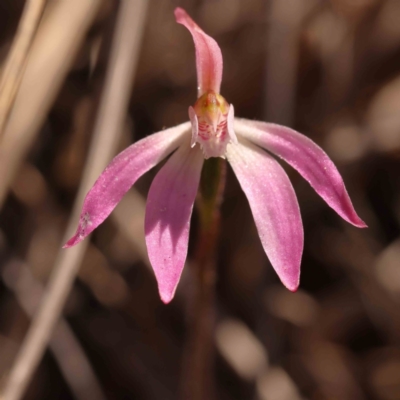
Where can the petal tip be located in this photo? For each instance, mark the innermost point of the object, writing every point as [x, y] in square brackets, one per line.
[167, 293]
[290, 283]
[347, 212]
[293, 288]
[359, 223]
[73, 241]
[180, 14]
[167, 283]
[166, 298]
[353, 219]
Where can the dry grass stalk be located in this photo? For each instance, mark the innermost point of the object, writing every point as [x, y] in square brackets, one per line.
[16, 60]
[66, 348]
[108, 128]
[53, 50]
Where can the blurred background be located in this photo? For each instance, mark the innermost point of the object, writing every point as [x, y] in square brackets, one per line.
[329, 69]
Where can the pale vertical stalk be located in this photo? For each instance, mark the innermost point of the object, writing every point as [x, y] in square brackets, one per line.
[198, 363]
[129, 218]
[65, 347]
[15, 62]
[107, 131]
[56, 43]
[284, 19]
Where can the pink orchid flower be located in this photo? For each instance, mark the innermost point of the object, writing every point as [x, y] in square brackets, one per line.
[247, 145]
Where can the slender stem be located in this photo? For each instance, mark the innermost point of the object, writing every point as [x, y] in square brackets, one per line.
[14, 65]
[197, 374]
[107, 131]
[52, 52]
[65, 346]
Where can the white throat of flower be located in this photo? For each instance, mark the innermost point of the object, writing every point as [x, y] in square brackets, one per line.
[212, 124]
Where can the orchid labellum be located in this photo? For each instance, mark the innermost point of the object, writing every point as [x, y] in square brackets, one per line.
[213, 131]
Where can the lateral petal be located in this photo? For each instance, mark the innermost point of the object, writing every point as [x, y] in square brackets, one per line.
[312, 163]
[208, 55]
[274, 206]
[168, 211]
[123, 171]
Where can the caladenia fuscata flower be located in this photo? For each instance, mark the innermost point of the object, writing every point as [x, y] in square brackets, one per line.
[248, 146]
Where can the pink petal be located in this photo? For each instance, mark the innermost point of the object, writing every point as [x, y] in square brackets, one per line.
[274, 206]
[168, 211]
[208, 55]
[307, 158]
[123, 171]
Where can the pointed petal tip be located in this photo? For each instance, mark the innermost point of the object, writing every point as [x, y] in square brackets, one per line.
[345, 209]
[361, 224]
[182, 17]
[73, 241]
[358, 222]
[290, 283]
[167, 296]
[292, 288]
[166, 288]
[349, 214]
[180, 14]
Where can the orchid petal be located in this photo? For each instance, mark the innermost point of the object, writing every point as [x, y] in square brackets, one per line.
[307, 158]
[123, 171]
[168, 211]
[274, 206]
[208, 55]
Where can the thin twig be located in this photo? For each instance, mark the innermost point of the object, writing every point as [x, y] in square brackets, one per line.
[66, 348]
[108, 128]
[15, 63]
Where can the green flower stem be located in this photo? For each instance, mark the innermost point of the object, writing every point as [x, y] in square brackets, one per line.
[197, 377]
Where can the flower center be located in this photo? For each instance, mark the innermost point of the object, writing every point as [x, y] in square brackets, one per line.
[209, 118]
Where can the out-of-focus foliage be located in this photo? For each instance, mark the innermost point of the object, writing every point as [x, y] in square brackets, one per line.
[330, 69]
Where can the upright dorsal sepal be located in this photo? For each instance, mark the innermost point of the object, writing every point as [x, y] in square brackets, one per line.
[208, 55]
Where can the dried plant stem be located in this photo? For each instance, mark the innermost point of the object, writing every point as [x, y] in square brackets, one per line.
[66, 348]
[129, 218]
[108, 128]
[197, 376]
[54, 48]
[15, 62]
